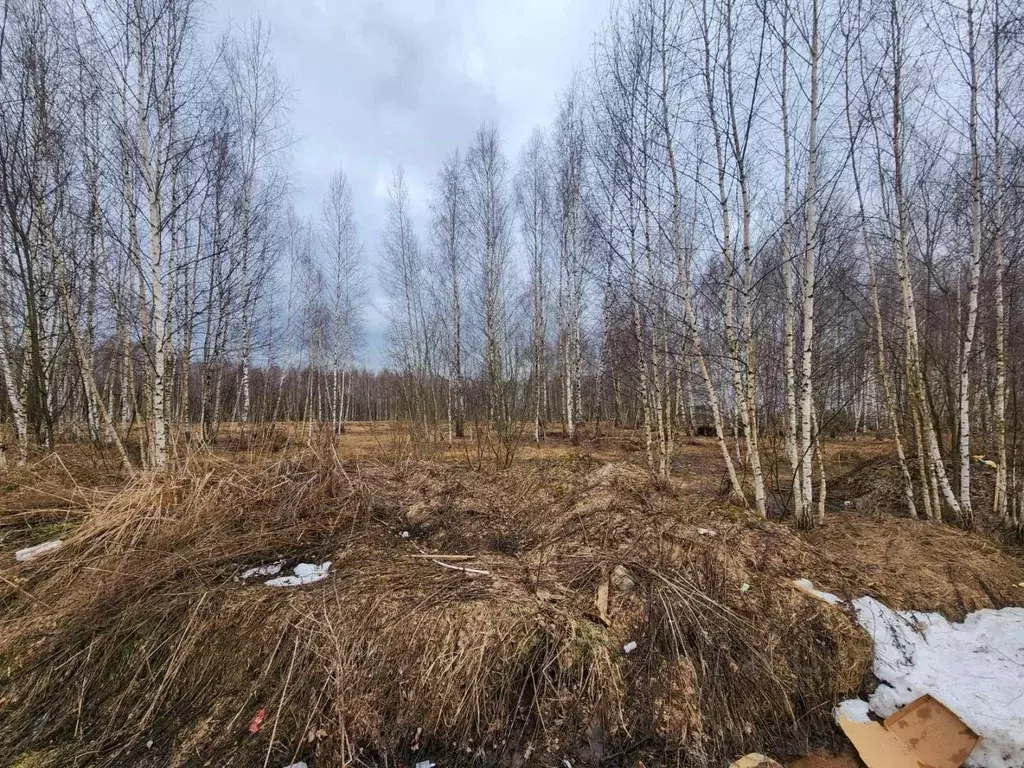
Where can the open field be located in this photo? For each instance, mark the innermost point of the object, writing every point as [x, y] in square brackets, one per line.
[469, 617]
[288, 293]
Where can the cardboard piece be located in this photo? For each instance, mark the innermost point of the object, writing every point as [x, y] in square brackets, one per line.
[821, 759]
[933, 731]
[876, 746]
[924, 734]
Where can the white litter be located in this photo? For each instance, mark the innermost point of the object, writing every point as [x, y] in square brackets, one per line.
[975, 668]
[305, 573]
[31, 553]
[297, 765]
[630, 646]
[855, 710]
[425, 764]
[707, 532]
[271, 569]
[805, 585]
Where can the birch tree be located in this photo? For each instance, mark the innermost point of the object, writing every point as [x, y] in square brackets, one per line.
[257, 112]
[490, 220]
[451, 232]
[533, 202]
[569, 149]
[344, 257]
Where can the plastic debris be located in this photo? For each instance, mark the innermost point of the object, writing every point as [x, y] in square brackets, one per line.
[630, 646]
[31, 553]
[622, 580]
[425, 764]
[305, 573]
[985, 462]
[707, 532]
[297, 765]
[755, 760]
[257, 721]
[744, 587]
[805, 586]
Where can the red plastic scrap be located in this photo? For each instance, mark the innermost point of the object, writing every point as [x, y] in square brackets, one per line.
[257, 721]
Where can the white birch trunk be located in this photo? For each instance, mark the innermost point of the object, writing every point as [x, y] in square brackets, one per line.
[807, 437]
[966, 510]
[1000, 506]
[792, 452]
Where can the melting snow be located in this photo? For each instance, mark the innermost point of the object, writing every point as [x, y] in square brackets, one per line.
[855, 710]
[305, 573]
[975, 668]
[31, 553]
[263, 570]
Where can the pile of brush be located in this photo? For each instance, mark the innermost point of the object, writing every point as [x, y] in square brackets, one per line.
[511, 619]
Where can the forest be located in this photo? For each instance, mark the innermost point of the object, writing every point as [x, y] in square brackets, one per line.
[756, 288]
[652, 259]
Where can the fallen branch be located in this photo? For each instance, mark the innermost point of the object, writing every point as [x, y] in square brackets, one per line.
[461, 568]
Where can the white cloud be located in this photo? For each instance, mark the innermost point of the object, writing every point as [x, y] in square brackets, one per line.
[388, 82]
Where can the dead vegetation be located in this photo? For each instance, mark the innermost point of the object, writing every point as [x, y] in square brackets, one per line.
[137, 644]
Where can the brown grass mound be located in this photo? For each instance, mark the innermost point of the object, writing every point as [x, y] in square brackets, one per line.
[138, 645]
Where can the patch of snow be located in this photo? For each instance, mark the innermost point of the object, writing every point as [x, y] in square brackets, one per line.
[805, 585]
[31, 553]
[855, 710]
[271, 569]
[975, 668]
[305, 573]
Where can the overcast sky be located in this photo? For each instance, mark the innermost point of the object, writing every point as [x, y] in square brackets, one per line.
[378, 83]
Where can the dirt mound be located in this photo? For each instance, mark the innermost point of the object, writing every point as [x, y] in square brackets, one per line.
[499, 619]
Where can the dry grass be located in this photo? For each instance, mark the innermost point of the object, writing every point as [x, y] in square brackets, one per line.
[136, 644]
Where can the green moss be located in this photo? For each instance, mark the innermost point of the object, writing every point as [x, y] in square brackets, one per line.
[34, 759]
